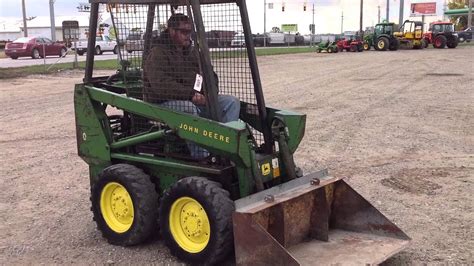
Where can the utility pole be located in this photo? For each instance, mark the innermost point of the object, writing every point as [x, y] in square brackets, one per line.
[25, 27]
[361, 17]
[313, 29]
[387, 17]
[264, 23]
[400, 16]
[342, 22]
[469, 14]
[378, 16]
[51, 15]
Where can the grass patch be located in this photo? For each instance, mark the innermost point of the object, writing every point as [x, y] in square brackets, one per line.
[288, 50]
[236, 53]
[16, 72]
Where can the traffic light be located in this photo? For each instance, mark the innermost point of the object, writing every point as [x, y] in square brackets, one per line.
[304, 7]
[283, 8]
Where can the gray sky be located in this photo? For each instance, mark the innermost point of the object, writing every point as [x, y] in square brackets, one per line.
[327, 12]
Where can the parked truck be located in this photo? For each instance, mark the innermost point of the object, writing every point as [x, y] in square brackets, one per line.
[102, 44]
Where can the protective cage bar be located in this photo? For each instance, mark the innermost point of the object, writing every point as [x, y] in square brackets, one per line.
[145, 49]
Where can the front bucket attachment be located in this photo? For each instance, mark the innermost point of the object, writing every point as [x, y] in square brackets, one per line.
[315, 219]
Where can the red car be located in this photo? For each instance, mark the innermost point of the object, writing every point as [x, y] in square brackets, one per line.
[36, 47]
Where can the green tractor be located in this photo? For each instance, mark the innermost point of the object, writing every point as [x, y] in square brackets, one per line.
[327, 46]
[382, 38]
[245, 196]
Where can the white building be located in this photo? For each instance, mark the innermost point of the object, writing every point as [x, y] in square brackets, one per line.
[40, 26]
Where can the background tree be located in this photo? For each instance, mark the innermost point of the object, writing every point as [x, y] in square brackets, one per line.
[460, 22]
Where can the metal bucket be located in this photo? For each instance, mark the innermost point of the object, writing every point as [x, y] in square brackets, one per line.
[315, 219]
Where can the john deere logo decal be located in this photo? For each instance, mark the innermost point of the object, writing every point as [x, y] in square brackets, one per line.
[266, 169]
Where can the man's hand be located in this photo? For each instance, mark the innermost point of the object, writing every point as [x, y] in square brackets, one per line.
[199, 99]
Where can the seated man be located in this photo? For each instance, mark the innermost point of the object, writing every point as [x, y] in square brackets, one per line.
[171, 71]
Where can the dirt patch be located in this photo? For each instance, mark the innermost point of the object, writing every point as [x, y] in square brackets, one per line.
[404, 139]
[417, 181]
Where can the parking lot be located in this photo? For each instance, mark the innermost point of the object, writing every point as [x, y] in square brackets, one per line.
[399, 125]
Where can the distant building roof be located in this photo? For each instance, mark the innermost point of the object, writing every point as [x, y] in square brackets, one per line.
[45, 21]
[10, 25]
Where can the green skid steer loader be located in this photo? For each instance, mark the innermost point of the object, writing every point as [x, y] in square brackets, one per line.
[163, 161]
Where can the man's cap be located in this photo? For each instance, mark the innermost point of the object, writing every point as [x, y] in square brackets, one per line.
[176, 19]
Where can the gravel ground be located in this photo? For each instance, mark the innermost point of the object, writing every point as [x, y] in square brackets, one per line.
[398, 124]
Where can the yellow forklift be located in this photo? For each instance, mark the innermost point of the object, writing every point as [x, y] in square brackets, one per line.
[410, 35]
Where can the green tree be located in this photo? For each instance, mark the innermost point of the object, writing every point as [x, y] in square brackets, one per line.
[460, 22]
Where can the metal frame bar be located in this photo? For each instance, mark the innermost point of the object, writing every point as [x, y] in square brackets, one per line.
[91, 44]
[138, 139]
[256, 76]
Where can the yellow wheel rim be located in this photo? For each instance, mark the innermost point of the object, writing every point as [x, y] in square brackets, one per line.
[189, 225]
[366, 46]
[381, 44]
[116, 206]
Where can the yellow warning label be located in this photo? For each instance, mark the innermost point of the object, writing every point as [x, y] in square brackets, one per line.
[266, 169]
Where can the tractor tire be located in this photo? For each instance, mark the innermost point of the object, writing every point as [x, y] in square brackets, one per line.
[98, 51]
[453, 43]
[426, 43]
[329, 49]
[360, 48]
[461, 39]
[353, 48]
[382, 44]
[394, 45]
[318, 51]
[35, 54]
[207, 209]
[63, 52]
[440, 42]
[366, 46]
[124, 204]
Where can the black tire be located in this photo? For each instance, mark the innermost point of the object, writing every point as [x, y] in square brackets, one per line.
[140, 193]
[425, 43]
[453, 43]
[360, 48]
[440, 42]
[115, 49]
[97, 50]
[63, 52]
[461, 39]
[394, 45]
[80, 53]
[318, 51]
[382, 44]
[14, 57]
[129, 51]
[353, 48]
[35, 54]
[329, 49]
[215, 203]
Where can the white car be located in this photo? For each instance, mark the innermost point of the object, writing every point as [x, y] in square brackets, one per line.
[238, 41]
[102, 44]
